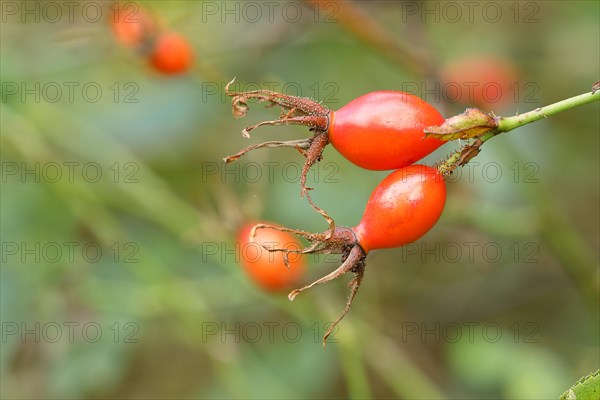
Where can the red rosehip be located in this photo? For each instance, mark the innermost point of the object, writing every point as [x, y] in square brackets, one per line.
[133, 28]
[384, 130]
[378, 131]
[267, 269]
[172, 54]
[402, 208]
[481, 80]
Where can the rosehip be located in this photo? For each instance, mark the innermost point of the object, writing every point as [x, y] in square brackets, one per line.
[133, 28]
[265, 268]
[402, 208]
[377, 131]
[384, 130]
[482, 80]
[172, 54]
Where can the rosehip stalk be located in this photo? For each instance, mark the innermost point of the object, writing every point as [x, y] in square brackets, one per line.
[481, 126]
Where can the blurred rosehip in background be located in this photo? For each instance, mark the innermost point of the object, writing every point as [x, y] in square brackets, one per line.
[481, 80]
[265, 268]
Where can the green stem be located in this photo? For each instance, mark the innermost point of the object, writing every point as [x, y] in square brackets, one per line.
[507, 124]
[461, 127]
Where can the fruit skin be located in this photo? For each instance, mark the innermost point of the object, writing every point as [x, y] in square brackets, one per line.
[383, 130]
[268, 269]
[402, 208]
[172, 54]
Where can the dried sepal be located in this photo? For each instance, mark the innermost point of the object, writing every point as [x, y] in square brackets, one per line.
[340, 241]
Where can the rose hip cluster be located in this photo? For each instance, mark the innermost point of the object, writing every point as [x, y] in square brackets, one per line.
[381, 130]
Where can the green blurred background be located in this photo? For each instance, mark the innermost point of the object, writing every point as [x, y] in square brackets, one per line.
[119, 275]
